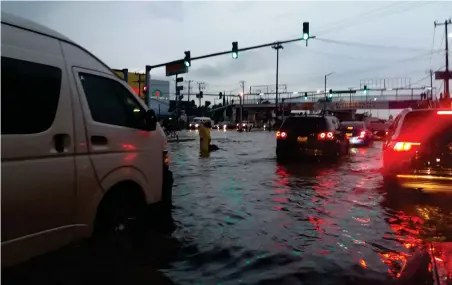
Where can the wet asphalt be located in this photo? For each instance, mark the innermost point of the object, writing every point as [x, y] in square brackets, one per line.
[243, 218]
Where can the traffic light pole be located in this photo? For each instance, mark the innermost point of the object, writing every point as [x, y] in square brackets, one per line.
[149, 67]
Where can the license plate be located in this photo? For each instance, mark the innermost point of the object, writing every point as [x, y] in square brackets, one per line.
[302, 139]
[349, 134]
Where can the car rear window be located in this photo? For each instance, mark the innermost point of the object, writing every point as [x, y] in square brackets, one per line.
[305, 124]
[425, 123]
[352, 124]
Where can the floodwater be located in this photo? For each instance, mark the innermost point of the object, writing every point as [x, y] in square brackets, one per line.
[242, 218]
[245, 219]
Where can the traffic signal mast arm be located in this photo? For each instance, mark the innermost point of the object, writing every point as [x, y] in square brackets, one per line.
[148, 67]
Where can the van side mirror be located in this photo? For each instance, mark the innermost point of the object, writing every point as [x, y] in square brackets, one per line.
[151, 120]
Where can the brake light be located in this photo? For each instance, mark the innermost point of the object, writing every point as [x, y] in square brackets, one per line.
[281, 135]
[444, 112]
[405, 146]
[325, 136]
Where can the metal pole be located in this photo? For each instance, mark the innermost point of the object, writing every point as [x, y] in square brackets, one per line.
[277, 46]
[177, 99]
[241, 109]
[446, 83]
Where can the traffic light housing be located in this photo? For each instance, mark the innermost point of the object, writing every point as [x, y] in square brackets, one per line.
[305, 31]
[365, 89]
[187, 59]
[235, 50]
[330, 93]
[306, 95]
[220, 95]
[178, 87]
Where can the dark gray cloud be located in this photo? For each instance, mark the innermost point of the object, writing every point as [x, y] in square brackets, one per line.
[132, 34]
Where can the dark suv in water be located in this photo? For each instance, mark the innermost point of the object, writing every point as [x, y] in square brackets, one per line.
[418, 151]
[308, 136]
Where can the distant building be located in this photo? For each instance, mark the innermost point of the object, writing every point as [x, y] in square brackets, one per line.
[159, 91]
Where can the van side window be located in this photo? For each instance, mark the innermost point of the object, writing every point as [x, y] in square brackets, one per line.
[111, 103]
[30, 95]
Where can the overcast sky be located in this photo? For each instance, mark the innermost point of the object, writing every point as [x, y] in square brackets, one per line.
[381, 39]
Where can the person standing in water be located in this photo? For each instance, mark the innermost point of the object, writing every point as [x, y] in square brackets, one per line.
[204, 138]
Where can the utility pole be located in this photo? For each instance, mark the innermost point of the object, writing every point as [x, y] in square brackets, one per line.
[277, 47]
[200, 88]
[447, 77]
[189, 89]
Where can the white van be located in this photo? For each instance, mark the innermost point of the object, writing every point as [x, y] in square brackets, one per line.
[81, 154]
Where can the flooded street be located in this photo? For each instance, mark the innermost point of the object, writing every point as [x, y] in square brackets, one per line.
[242, 218]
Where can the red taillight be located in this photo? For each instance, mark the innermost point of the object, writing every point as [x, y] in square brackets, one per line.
[325, 136]
[362, 134]
[444, 112]
[405, 146]
[281, 135]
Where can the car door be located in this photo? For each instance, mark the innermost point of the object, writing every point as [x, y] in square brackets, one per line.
[38, 175]
[120, 147]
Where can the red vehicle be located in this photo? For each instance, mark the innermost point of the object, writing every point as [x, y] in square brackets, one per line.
[418, 151]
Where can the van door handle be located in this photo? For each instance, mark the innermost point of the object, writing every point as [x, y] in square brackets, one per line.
[99, 140]
[61, 142]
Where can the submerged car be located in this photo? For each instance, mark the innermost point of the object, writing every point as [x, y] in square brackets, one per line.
[418, 153]
[308, 136]
[357, 133]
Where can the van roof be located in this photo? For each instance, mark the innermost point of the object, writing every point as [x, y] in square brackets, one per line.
[22, 23]
[31, 26]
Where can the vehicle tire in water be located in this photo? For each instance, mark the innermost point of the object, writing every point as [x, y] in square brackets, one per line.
[121, 214]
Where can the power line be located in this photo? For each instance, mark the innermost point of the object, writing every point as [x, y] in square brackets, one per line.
[381, 12]
[370, 45]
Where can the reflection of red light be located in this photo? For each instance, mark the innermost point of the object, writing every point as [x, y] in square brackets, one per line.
[157, 93]
[363, 263]
[128, 146]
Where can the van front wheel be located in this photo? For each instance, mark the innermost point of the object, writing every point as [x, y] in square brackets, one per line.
[121, 213]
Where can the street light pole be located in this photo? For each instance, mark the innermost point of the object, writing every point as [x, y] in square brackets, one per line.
[326, 75]
[277, 47]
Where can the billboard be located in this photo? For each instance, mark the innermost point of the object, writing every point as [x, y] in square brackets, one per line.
[159, 89]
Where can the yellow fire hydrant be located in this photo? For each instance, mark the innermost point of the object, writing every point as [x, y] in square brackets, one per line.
[204, 139]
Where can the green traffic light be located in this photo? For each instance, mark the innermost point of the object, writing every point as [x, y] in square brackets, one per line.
[187, 63]
[235, 55]
[305, 36]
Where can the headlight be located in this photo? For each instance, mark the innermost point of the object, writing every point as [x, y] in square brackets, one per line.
[196, 125]
[243, 125]
[165, 159]
[190, 125]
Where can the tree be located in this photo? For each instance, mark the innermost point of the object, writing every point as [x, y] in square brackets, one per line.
[207, 104]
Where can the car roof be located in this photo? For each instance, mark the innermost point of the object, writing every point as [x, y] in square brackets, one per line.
[353, 122]
[22, 23]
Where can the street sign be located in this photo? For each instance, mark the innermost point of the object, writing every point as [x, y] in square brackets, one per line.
[442, 75]
[176, 67]
[344, 92]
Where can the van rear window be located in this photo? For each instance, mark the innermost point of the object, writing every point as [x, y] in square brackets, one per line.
[30, 96]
